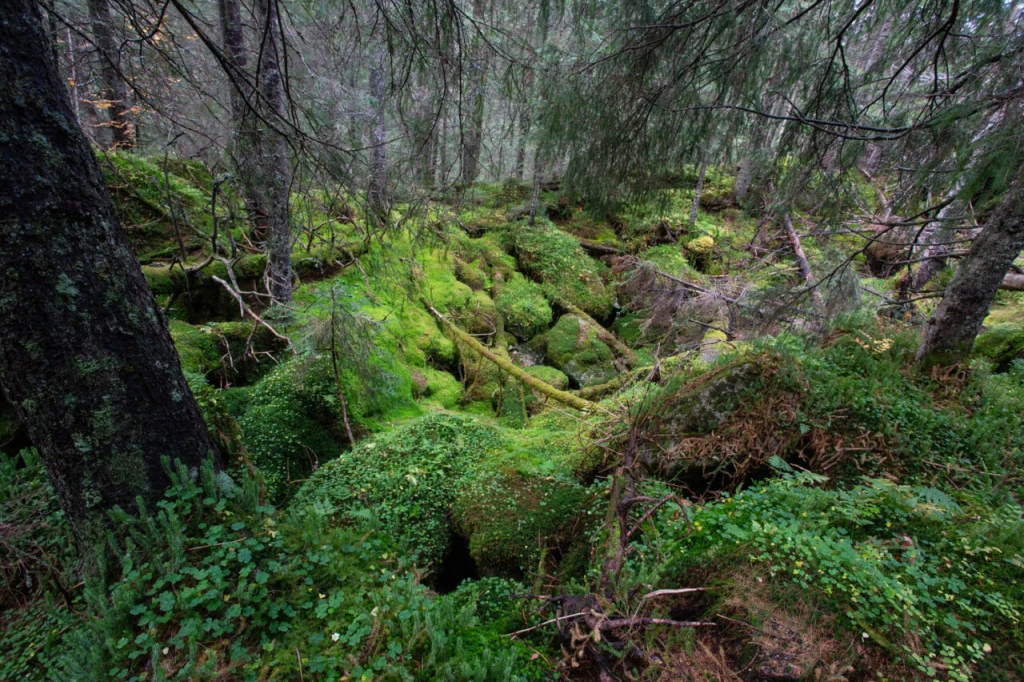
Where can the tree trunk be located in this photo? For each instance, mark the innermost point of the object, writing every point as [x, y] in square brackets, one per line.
[477, 86]
[85, 358]
[243, 119]
[697, 190]
[275, 175]
[113, 92]
[949, 334]
[525, 121]
[376, 195]
[803, 265]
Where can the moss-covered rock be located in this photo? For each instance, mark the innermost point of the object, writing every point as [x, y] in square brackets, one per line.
[549, 375]
[511, 516]
[523, 307]
[470, 275]
[573, 347]
[408, 477]
[1001, 344]
[227, 353]
[563, 268]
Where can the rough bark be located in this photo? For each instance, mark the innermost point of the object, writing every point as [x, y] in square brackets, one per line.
[525, 122]
[112, 87]
[85, 358]
[275, 173]
[949, 334]
[243, 118]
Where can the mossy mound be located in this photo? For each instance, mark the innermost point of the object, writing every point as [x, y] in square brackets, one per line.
[853, 407]
[573, 347]
[511, 517]
[225, 352]
[563, 268]
[1001, 344]
[408, 478]
[523, 307]
[144, 198]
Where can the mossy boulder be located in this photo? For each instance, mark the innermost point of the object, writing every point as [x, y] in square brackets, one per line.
[1001, 344]
[409, 477]
[573, 346]
[565, 271]
[523, 307]
[510, 517]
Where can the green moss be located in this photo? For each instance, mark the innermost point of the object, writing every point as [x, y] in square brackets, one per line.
[1002, 344]
[197, 347]
[409, 477]
[549, 375]
[566, 272]
[523, 307]
[509, 516]
[470, 275]
[442, 388]
[573, 346]
[670, 259]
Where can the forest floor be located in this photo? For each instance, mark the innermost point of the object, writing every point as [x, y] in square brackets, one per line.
[590, 448]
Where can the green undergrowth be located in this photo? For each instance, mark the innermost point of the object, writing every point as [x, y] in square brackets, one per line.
[929, 578]
[213, 585]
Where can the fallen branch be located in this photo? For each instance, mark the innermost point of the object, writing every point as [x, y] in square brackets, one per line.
[517, 372]
[803, 264]
[684, 590]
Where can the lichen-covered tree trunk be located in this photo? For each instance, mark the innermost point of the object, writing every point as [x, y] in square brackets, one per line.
[949, 334]
[275, 173]
[112, 87]
[85, 358]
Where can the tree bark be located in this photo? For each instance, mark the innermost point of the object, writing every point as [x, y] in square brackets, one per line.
[113, 92]
[477, 85]
[803, 265]
[525, 122]
[85, 357]
[949, 334]
[275, 175]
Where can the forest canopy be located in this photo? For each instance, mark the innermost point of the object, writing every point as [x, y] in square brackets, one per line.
[486, 340]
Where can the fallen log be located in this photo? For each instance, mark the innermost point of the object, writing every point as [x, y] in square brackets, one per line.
[1013, 282]
[176, 279]
[533, 382]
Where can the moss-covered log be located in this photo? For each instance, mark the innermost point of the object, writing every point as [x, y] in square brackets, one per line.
[517, 372]
[85, 358]
[173, 279]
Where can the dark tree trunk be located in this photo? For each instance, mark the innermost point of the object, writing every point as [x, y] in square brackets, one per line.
[113, 91]
[243, 119]
[949, 335]
[85, 358]
[274, 171]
